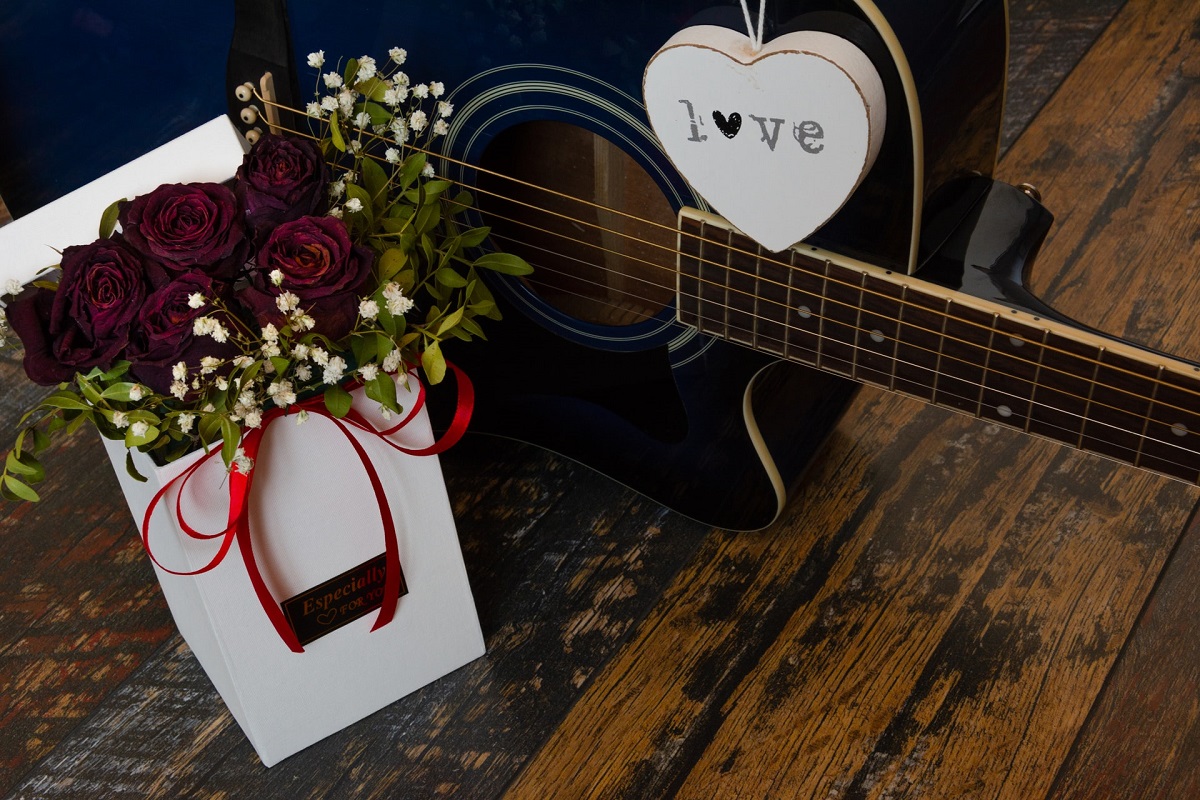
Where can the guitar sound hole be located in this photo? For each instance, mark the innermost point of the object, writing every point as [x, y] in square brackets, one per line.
[547, 188]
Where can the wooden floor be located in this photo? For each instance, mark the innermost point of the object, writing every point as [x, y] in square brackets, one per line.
[946, 609]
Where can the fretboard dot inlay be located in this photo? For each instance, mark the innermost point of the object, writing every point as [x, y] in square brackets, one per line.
[1015, 341]
[1004, 411]
[804, 311]
[1179, 429]
[877, 336]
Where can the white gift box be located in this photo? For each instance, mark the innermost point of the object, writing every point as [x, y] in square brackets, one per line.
[313, 517]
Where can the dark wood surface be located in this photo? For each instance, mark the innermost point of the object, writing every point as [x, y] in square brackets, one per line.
[945, 609]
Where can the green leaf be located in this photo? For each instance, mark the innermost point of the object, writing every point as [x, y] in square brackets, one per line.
[281, 365]
[375, 181]
[382, 389]
[472, 327]
[25, 465]
[149, 436]
[434, 363]
[131, 469]
[335, 132]
[363, 348]
[66, 399]
[40, 440]
[209, 428]
[351, 71]
[449, 321]
[410, 170]
[118, 369]
[505, 263]
[448, 277]
[428, 218]
[475, 236]
[232, 437]
[337, 401]
[20, 490]
[353, 190]
[119, 392]
[108, 220]
[433, 188]
[374, 88]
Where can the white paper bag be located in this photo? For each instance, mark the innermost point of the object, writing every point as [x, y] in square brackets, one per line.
[313, 517]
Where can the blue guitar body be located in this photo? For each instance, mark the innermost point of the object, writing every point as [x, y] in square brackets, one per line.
[589, 361]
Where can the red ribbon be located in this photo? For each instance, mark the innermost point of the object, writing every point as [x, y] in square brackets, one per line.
[238, 525]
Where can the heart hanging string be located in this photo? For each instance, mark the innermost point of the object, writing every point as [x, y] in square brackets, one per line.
[755, 33]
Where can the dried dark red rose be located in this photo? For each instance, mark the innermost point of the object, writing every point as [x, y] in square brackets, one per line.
[163, 336]
[85, 323]
[320, 265]
[188, 226]
[282, 178]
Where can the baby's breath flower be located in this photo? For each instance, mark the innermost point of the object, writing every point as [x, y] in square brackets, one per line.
[335, 370]
[195, 300]
[332, 80]
[185, 422]
[137, 392]
[270, 333]
[300, 351]
[303, 322]
[366, 69]
[440, 128]
[420, 91]
[337, 188]
[329, 103]
[398, 304]
[313, 109]
[368, 372]
[179, 390]
[120, 419]
[276, 277]
[392, 155]
[241, 362]
[139, 428]
[335, 212]
[270, 350]
[222, 384]
[398, 55]
[427, 171]
[354, 205]
[394, 97]
[392, 362]
[253, 418]
[282, 393]
[302, 417]
[319, 356]
[242, 462]
[444, 109]
[288, 301]
[400, 79]
[304, 372]
[368, 309]
[316, 60]
[12, 286]
[346, 100]
[179, 371]
[362, 119]
[417, 120]
[437, 88]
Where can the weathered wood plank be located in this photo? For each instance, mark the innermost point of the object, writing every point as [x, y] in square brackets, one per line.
[971, 613]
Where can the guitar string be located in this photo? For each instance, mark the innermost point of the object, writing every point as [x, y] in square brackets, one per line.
[828, 279]
[856, 370]
[676, 231]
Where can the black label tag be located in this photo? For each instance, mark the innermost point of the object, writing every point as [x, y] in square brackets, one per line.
[338, 601]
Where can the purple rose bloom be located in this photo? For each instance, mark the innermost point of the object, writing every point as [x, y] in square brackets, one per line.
[86, 322]
[282, 178]
[163, 336]
[320, 266]
[188, 226]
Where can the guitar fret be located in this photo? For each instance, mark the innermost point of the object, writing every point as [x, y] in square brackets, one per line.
[1137, 459]
[878, 327]
[1037, 373]
[839, 319]
[960, 371]
[1172, 440]
[920, 341]
[804, 309]
[1013, 360]
[1119, 407]
[987, 360]
[1091, 393]
[896, 337]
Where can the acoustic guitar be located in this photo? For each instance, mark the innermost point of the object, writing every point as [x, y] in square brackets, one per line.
[660, 346]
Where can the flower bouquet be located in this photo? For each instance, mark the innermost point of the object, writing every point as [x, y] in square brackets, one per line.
[318, 285]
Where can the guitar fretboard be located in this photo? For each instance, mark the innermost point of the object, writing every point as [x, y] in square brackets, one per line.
[896, 332]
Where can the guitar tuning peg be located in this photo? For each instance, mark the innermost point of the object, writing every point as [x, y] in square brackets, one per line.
[249, 115]
[244, 92]
[253, 135]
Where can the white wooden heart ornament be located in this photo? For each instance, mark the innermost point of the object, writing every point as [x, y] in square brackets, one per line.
[776, 139]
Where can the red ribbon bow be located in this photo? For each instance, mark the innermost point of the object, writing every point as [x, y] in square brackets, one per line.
[238, 526]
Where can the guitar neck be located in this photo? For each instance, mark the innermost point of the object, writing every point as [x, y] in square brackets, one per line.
[953, 350]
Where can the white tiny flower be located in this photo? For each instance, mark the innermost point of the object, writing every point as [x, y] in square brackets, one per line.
[300, 351]
[302, 321]
[284, 394]
[444, 109]
[391, 363]
[276, 277]
[385, 412]
[335, 213]
[195, 300]
[421, 91]
[335, 370]
[417, 121]
[346, 100]
[337, 188]
[242, 462]
[218, 332]
[302, 417]
[253, 419]
[319, 356]
[270, 350]
[313, 109]
[137, 392]
[179, 371]
[209, 364]
[179, 390]
[400, 79]
[316, 60]
[366, 69]
[222, 384]
[208, 408]
[362, 119]
[287, 301]
[332, 80]
[139, 429]
[368, 309]
[368, 372]
[398, 55]
[304, 372]
[241, 362]
[437, 89]
[394, 97]
[120, 419]
[354, 205]
[185, 422]
[440, 128]
[12, 286]
[270, 333]
[329, 103]
[427, 171]
[392, 155]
